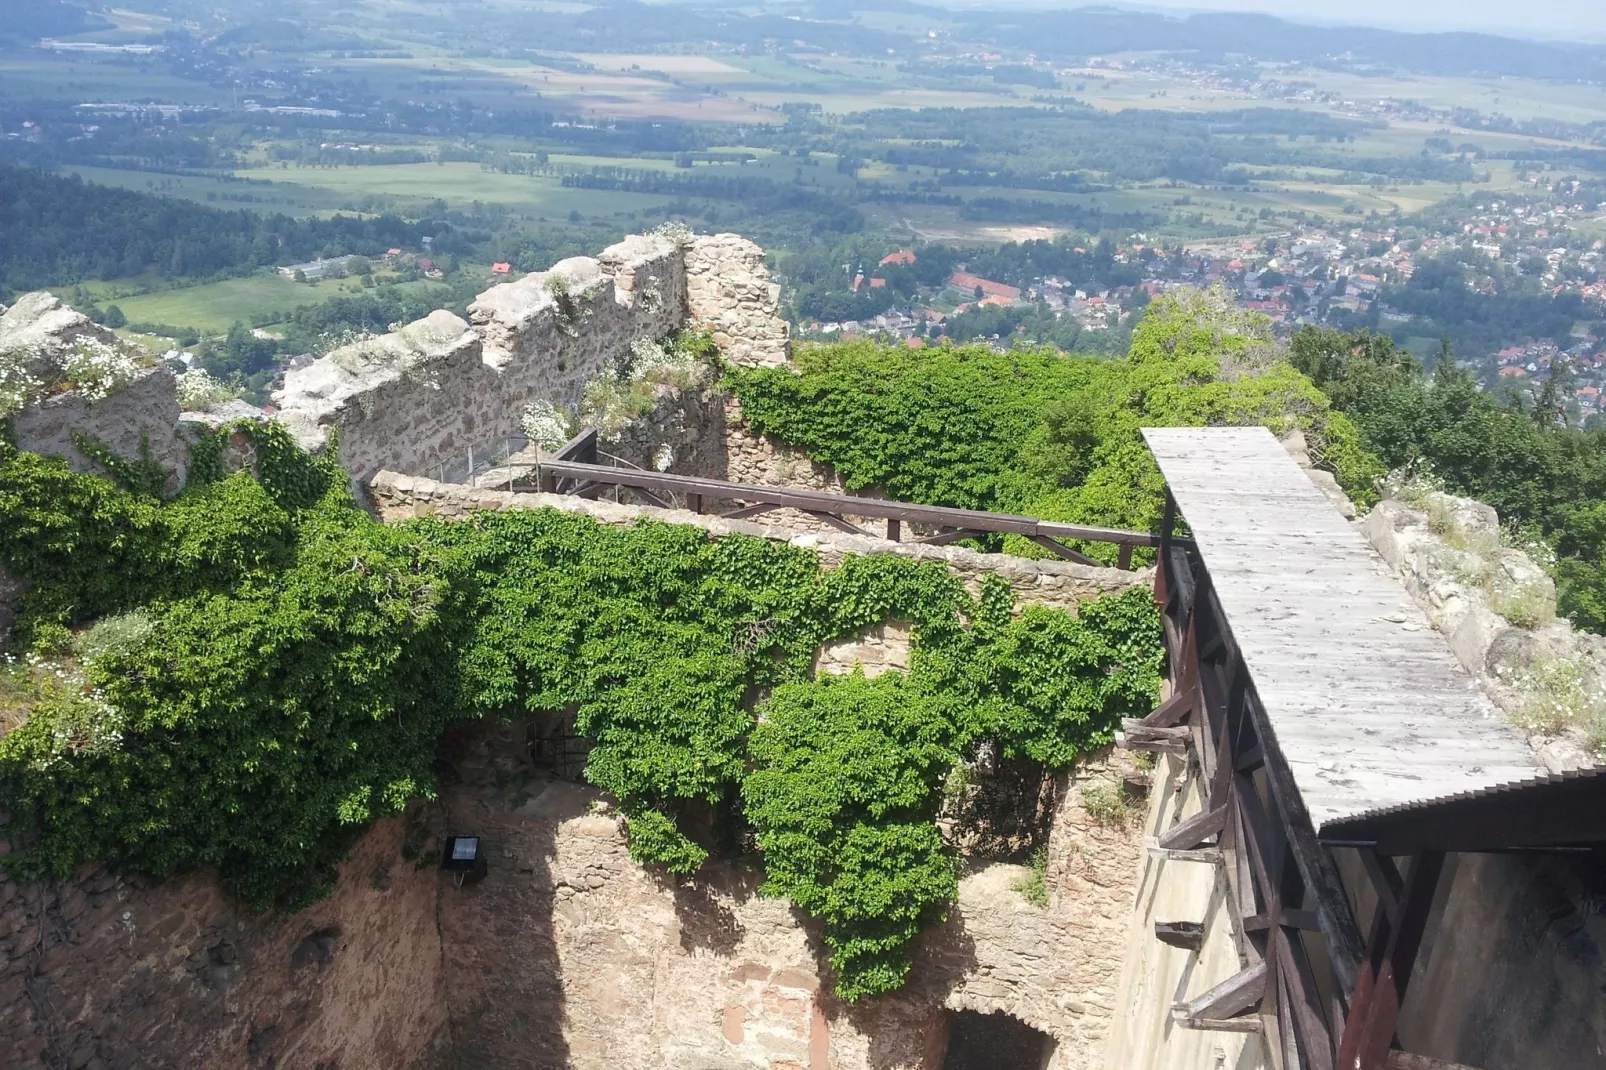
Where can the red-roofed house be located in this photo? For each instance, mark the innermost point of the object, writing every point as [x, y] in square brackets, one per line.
[501, 267]
[876, 284]
[961, 280]
[1513, 371]
[902, 256]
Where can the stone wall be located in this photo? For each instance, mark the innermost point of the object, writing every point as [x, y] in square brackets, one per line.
[107, 972]
[568, 954]
[139, 420]
[1053, 583]
[1497, 610]
[431, 397]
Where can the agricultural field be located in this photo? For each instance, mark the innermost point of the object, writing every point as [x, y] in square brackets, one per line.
[459, 183]
[212, 308]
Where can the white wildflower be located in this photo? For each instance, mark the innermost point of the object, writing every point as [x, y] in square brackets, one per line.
[97, 369]
[18, 385]
[545, 425]
[199, 390]
[663, 458]
[673, 230]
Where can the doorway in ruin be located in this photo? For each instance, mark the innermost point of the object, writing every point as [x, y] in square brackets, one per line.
[997, 1041]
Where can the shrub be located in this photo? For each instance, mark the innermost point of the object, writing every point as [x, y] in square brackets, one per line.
[1033, 886]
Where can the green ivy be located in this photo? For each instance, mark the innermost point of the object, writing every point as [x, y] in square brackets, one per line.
[1039, 432]
[304, 660]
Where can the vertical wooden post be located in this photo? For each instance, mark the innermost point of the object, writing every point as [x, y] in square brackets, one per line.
[894, 529]
[1124, 558]
[1391, 954]
[694, 502]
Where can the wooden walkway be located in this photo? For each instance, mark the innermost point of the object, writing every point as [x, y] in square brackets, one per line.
[1365, 700]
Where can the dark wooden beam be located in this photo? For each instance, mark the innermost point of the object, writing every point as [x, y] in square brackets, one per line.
[837, 522]
[1194, 830]
[1390, 957]
[932, 516]
[1188, 935]
[1293, 919]
[750, 511]
[1246, 1024]
[1055, 547]
[1231, 997]
[1172, 710]
[1207, 855]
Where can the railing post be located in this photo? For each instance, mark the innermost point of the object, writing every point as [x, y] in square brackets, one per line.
[1124, 558]
[894, 529]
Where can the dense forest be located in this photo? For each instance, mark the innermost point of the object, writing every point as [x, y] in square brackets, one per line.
[59, 229]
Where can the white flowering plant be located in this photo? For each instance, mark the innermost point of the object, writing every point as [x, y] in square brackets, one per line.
[94, 368]
[198, 389]
[546, 425]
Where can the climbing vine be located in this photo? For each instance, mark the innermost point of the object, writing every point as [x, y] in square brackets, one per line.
[303, 660]
[1037, 431]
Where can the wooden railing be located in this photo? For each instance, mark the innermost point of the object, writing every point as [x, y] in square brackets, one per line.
[575, 469]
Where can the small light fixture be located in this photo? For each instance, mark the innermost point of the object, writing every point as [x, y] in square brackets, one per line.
[461, 855]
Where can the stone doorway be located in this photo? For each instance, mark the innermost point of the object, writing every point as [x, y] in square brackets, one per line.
[994, 1042]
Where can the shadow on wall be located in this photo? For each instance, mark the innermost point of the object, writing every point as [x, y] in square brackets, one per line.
[1514, 973]
[504, 983]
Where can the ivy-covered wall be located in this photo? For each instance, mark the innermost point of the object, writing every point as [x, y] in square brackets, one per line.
[274, 668]
[1036, 431]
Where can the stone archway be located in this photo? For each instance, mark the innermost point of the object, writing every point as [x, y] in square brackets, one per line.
[995, 1041]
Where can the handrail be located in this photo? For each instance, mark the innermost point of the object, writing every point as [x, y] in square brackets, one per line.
[560, 474]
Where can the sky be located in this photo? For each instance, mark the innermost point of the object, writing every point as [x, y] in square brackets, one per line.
[1556, 20]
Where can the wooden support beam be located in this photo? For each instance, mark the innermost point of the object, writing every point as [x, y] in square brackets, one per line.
[1123, 557]
[947, 537]
[1157, 746]
[1230, 998]
[894, 529]
[1055, 547]
[750, 511]
[1246, 1024]
[1172, 710]
[1188, 935]
[838, 523]
[1209, 855]
[1293, 919]
[1391, 953]
[1195, 830]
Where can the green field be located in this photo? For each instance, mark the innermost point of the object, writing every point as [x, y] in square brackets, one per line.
[461, 183]
[213, 308]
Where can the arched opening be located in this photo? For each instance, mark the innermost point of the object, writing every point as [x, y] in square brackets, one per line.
[994, 1042]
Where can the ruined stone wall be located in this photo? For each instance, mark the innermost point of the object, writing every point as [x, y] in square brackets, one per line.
[109, 972]
[139, 420]
[570, 955]
[1053, 583]
[421, 399]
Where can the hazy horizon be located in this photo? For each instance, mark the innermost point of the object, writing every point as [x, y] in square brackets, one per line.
[1551, 20]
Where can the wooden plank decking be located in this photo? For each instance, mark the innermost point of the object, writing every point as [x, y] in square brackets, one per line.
[1368, 706]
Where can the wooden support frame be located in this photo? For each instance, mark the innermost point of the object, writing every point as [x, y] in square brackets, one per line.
[1282, 884]
[1283, 887]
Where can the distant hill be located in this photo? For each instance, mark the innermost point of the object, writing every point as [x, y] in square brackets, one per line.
[1100, 30]
[46, 18]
